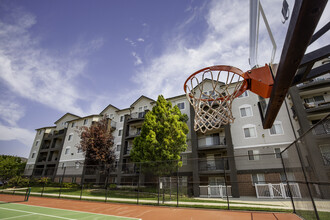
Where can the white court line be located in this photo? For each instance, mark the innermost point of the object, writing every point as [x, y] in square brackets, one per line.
[36, 213]
[17, 216]
[80, 211]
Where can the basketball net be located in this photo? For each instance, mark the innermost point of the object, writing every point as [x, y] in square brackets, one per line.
[213, 105]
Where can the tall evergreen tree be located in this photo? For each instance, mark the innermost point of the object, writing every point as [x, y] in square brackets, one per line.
[162, 140]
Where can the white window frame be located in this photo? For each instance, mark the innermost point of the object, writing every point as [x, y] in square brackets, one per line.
[37, 143]
[111, 116]
[77, 164]
[121, 118]
[250, 126]
[184, 159]
[85, 121]
[118, 147]
[120, 133]
[145, 108]
[33, 154]
[276, 123]
[181, 103]
[244, 94]
[255, 155]
[277, 157]
[260, 178]
[79, 151]
[73, 124]
[70, 137]
[245, 106]
[67, 151]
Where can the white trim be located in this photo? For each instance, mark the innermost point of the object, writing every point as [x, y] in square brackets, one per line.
[245, 106]
[250, 126]
[72, 160]
[278, 123]
[247, 95]
[263, 145]
[31, 163]
[68, 147]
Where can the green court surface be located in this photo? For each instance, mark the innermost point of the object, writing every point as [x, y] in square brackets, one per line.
[27, 212]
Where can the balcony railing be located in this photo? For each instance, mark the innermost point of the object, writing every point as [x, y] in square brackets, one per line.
[213, 165]
[134, 133]
[322, 128]
[129, 169]
[137, 115]
[211, 141]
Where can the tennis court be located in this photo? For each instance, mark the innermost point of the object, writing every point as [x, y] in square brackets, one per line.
[24, 211]
[52, 208]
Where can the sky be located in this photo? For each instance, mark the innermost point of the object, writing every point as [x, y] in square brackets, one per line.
[78, 56]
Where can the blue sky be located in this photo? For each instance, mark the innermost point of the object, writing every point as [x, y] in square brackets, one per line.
[78, 56]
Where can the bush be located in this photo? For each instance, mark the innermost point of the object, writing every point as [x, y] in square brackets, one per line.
[18, 181]
[70, 185]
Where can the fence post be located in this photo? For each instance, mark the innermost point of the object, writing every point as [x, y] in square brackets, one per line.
[177, 185]
[158, 188]
[59, 194]
[82, 181]
[106, 183]
[138, 191]
[43, 188]
[224, 170]
[306, 181]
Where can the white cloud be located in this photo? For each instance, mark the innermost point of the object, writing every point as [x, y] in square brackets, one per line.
[225, 41]
[131, 42]
[33, 73]
[138, 59]
[11, 112]
[14, 133]
[140, 39]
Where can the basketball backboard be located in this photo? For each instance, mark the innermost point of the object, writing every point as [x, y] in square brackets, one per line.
[288, 40]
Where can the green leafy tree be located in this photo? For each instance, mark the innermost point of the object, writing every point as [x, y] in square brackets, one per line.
[162, 140]
[10, 166]
[97, 143]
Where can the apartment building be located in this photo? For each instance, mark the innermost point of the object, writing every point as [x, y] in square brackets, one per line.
[240, 154]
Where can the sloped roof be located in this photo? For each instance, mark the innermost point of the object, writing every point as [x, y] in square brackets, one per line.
[141, 97]
[66, 115]
[108, 107]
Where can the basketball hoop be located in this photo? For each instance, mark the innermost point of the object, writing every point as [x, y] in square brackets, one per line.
[212, 102]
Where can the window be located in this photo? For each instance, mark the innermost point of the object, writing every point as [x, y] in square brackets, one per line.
[67, 151]
[180, 105]
[120, 132]
[80, 150]
[63, 165]
[70, 137]
[325, 152]
[121, 118]
[253, 154]
[145, 108]
[111, 116]
[73, 124]
[258, 178]
[276, 129]
[37, 142]
[184, 159]
[244, 94]
[85, 121]
[118, 147]
[140, 109]
[246, 111]
[250, 131]
[77, 165]
[40, 132]
[33, 154]
[277, 152]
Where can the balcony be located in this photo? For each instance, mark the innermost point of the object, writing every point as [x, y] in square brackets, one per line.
[129, 169]
[127, 151]
[137, 116]
[318, 107]
[323, 128]
[211, 142]
[213, 166]
[132, 134]
[314, 83]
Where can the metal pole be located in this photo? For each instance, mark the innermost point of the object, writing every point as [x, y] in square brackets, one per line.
[158, 189]
[43, 188]
[138, 192]
[224, 170]
[106, 183]
[177, 186]
[287, 183]
[82, 181]
[59, 194]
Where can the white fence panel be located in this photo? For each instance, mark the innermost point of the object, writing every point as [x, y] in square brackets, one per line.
[275, 191]
[214, 191]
